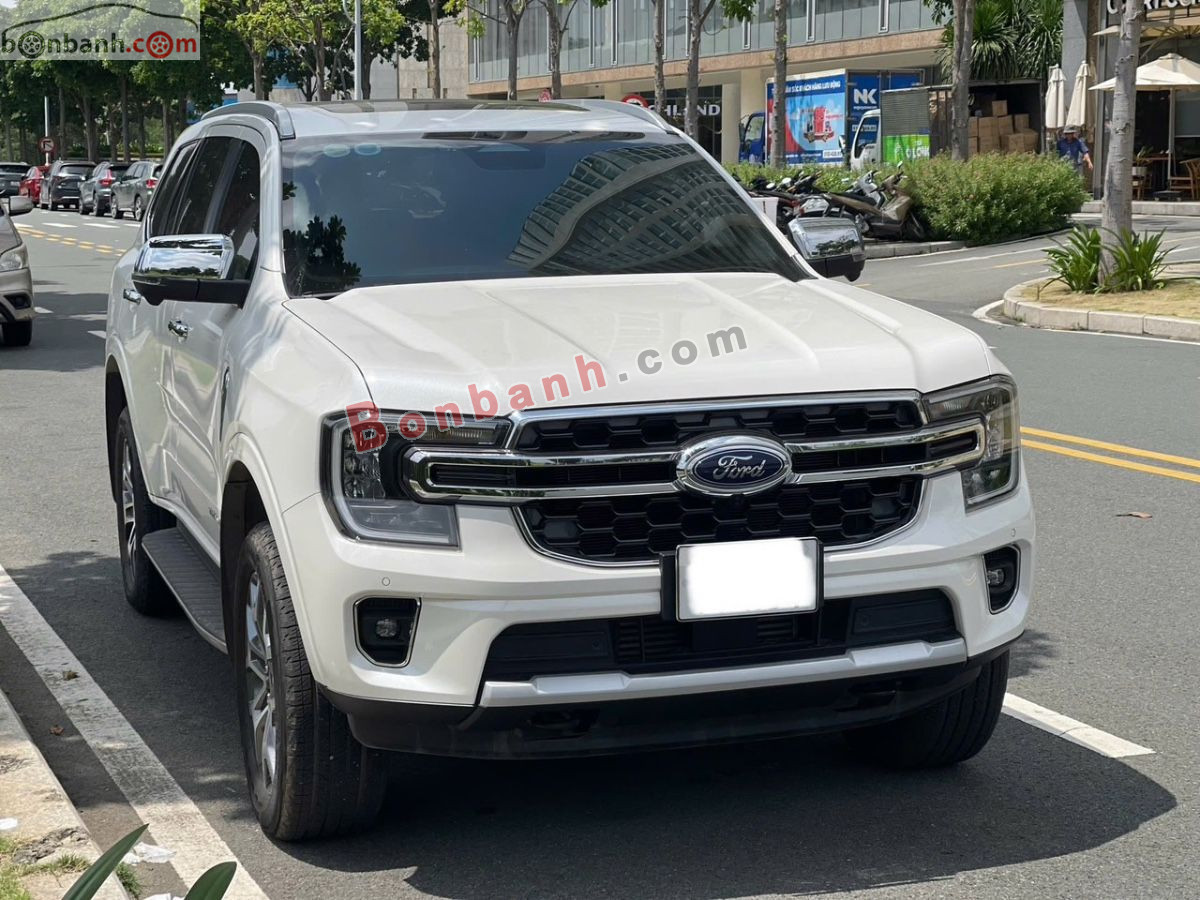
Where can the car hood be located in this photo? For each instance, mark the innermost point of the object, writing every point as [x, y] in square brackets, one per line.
[422, 346]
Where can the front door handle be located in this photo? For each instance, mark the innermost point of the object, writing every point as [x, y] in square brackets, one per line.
[132, 295]
[179, 328]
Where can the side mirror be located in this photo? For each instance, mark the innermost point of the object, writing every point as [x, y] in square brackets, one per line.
[193, 268]
[834, 247]
[18, 205]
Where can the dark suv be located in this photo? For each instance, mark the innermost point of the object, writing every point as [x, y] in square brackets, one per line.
[61, 187]
[132, 190]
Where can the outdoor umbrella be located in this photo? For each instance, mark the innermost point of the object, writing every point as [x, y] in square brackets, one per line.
[1077, 111]
[1171, 72]
[1056, 111]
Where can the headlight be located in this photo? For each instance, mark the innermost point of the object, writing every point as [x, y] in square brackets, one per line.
[16, 258]
[995, 402]
[363, 487]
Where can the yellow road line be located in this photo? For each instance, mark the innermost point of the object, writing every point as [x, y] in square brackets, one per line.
[1114, 448]
[1112, 461]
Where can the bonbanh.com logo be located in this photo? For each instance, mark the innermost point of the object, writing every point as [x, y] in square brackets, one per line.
[100, 29]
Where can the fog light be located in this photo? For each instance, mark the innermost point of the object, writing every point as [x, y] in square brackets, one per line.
[1002, 569]
[387, 628]
[384, 627]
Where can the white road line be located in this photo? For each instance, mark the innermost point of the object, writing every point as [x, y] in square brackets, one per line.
[175, 821]
[42, 311]
[963, 259]
[103, 225]
[99, 334]
[1076, 732]
[60, 225]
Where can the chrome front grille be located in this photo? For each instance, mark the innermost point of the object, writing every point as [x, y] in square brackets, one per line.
[604, 485]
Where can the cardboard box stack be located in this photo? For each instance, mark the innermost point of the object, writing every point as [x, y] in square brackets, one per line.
[1001, 132]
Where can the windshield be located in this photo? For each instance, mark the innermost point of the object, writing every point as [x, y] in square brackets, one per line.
[446, 207]
[83, 170]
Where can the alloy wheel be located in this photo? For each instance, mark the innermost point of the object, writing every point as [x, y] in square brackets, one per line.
[260, 694]
[128, 511]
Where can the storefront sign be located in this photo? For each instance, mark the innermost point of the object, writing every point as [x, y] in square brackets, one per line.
[1115, 6]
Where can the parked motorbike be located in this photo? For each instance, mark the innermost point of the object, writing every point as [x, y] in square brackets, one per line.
[886, 208]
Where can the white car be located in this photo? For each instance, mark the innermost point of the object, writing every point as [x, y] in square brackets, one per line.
[515, 430]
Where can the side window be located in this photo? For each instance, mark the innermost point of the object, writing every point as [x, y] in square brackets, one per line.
[237, 215]
[161, 220]
[202, 184]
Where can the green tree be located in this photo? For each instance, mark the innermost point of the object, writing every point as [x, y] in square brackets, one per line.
[698, 13]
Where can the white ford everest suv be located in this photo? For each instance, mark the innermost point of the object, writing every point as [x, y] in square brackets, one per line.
[516, 430]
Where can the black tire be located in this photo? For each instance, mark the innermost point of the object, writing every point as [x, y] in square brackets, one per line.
[138, 212]
[97, 209]
[323, 782]
[18, 334]
[113, 209]
[80, 209]
[952, 730]
[144, 588]
[53, 206]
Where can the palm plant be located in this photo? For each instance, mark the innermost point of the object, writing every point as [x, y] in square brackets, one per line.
[1012, 39]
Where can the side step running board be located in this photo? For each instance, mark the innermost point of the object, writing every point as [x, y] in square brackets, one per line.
[193, 580]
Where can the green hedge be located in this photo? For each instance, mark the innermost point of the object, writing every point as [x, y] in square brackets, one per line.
[989, 198]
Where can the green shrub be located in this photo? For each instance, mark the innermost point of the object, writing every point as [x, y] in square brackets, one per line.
[1077, 262]
[1138, 262]
[994, 197]
[988, 198]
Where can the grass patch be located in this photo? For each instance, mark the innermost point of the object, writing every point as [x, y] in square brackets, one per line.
[1179, 298]
[12, 873]
[129, 880]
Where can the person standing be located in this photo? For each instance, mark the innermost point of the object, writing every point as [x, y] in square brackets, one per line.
[1072, 147]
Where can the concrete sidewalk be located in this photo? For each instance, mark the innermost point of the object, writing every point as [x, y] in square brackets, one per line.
[47, 826]
[889, 249]
[1150, 208]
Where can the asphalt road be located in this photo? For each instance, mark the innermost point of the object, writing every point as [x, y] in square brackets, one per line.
[1112, 643]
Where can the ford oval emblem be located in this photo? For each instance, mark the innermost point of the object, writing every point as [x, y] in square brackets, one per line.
[733, 464]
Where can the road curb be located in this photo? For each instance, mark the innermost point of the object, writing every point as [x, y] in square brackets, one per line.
[1039, 315]
[1180, 208]
[902, 248]
[47, 822]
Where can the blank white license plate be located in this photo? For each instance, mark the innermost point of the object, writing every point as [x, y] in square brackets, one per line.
[748, 578]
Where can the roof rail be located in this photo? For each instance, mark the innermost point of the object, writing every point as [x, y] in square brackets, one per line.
[272, 112]
[630, 109]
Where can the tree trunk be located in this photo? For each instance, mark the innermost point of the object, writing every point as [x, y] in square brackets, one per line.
[24, 144]
[435, 49]
[112, 134]
[90, 137]
[125, 153]
[181, 114]
[660, 42]
[1117, 212]
[168, 127]
[512, 27]
[779, 111]
[555, 30]
[256, 63]
[960, 92]
[695, 28]
[322, 86]
[141, 131]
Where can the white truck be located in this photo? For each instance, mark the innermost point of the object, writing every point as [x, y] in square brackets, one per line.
[515, 430]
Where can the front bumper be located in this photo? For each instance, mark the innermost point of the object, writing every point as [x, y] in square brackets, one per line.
[16, 296]
[470, 595]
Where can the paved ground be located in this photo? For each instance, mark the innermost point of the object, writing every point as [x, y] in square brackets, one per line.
[1112, 643]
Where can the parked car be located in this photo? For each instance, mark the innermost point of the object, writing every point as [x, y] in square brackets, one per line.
[16, 282]
[549, 444]
[61, 187]
[31, 184]
[132, 190]
[96, 190]
[11, 174]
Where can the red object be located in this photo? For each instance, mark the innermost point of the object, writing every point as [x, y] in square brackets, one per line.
[106, 181]
[31, 184]
[545, 96]
[151, 182]
[636, 100]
